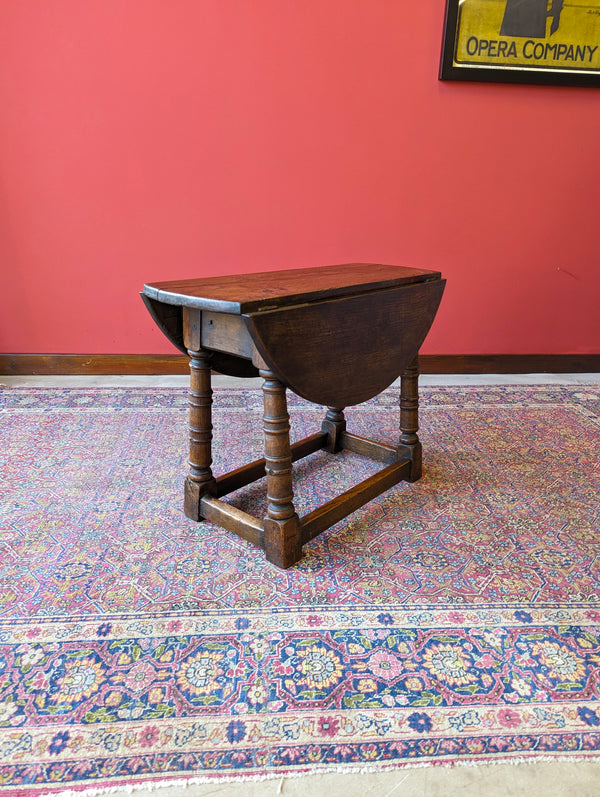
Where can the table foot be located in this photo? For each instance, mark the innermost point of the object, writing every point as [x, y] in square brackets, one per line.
[409, 444]
[200, 480]
[282, 541]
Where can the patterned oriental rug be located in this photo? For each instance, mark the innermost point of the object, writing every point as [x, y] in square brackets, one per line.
[453, 620]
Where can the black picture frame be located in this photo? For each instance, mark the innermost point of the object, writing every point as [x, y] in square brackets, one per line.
[510, 58]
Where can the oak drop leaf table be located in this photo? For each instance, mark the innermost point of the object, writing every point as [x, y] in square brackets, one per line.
[335, 335]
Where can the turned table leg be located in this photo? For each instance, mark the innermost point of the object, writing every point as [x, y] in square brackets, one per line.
[409, 444]
[200, 480]
[334, 424]
[282, 528]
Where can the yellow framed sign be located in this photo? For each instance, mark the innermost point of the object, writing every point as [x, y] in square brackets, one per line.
[522, 41]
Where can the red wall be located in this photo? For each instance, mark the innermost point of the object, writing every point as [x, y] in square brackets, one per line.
[143, 140]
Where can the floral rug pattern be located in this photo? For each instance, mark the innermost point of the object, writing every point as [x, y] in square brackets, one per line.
[457, 618]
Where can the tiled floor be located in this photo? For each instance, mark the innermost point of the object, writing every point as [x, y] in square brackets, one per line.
[547, 778]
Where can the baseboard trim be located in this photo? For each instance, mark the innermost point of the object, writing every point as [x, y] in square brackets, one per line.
[510, 363]
[159, 364]
[93, 364]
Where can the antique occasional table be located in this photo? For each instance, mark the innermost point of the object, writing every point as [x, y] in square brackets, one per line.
[335, 335]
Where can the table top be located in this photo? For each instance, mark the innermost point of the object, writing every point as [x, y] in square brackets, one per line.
[268, 290]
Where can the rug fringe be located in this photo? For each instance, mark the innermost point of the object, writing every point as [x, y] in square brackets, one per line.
[184, 783]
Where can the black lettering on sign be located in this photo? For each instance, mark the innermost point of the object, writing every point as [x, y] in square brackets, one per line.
[492, 48]
[539, 51]
[557, 51]
[472, 45]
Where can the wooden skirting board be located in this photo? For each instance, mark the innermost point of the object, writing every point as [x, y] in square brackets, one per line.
[160, 364]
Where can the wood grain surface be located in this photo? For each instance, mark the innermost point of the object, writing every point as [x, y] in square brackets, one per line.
[248, 293]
